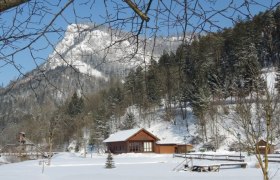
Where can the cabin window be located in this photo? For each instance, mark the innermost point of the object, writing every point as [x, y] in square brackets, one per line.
[135, 147]
[148, 147]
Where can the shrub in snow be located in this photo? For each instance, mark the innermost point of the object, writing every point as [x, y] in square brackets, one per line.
[196, 140]
[77, 147]
[110, 162]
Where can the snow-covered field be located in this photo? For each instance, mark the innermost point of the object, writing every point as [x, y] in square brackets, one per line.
[69, 166]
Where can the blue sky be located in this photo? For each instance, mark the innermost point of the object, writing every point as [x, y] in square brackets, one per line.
[79, 12]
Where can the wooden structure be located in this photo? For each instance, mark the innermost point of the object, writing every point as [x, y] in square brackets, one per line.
[171, 148]
[188, 164]
[166, 148]
[214, 157]
[133, 140]
[24, 149]
[261, 146]
[185, 165]
[140, 140]
[274, 158]
[236, 164]
[216, 167]
[21, 138]
[206, 168]
[184, 148]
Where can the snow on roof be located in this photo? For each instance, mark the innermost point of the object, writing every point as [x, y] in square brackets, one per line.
[122, 135]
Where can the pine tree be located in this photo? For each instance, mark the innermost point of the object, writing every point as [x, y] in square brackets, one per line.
[101, 124]
[269, 29]
[200, 104]
[129, 86]
[77, 147]
[139, 88]
[129, 122]
[115, 101]
[277, 79]
[277, 35]
[247, 67]
[76, 105]
[109, 162]
[153, 85]
[167, 79]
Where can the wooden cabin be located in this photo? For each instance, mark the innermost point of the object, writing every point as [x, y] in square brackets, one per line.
[21, 137]
[171, 148]
[262, 144]
[24, 149]
[184, 148]
[141, 141]
[166, 148]
[133, 140]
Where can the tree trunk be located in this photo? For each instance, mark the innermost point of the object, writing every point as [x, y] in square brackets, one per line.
[7, 4]
[50, 149]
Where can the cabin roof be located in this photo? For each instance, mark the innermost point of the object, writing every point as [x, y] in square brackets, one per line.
[122, 135]
[125, 135]
[263, 141]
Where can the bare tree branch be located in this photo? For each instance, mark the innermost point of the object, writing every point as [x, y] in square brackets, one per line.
[133, 6]
[7, 4]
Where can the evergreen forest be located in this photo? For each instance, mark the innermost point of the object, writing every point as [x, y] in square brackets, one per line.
[211, 69]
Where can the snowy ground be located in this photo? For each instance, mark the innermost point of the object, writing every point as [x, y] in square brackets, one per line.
[69, 166]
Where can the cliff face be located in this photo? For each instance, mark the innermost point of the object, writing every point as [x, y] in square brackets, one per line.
[84, 61]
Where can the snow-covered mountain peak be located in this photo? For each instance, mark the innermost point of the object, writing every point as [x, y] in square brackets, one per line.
[88, 49]
[100, 51]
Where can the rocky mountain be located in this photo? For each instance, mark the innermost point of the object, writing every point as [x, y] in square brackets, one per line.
[84, 60]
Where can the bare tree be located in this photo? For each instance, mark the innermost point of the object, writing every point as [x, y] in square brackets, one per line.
[30, 30]
[255, 118]
[54, 126]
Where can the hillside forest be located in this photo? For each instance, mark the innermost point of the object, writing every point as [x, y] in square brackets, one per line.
[206, 75]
